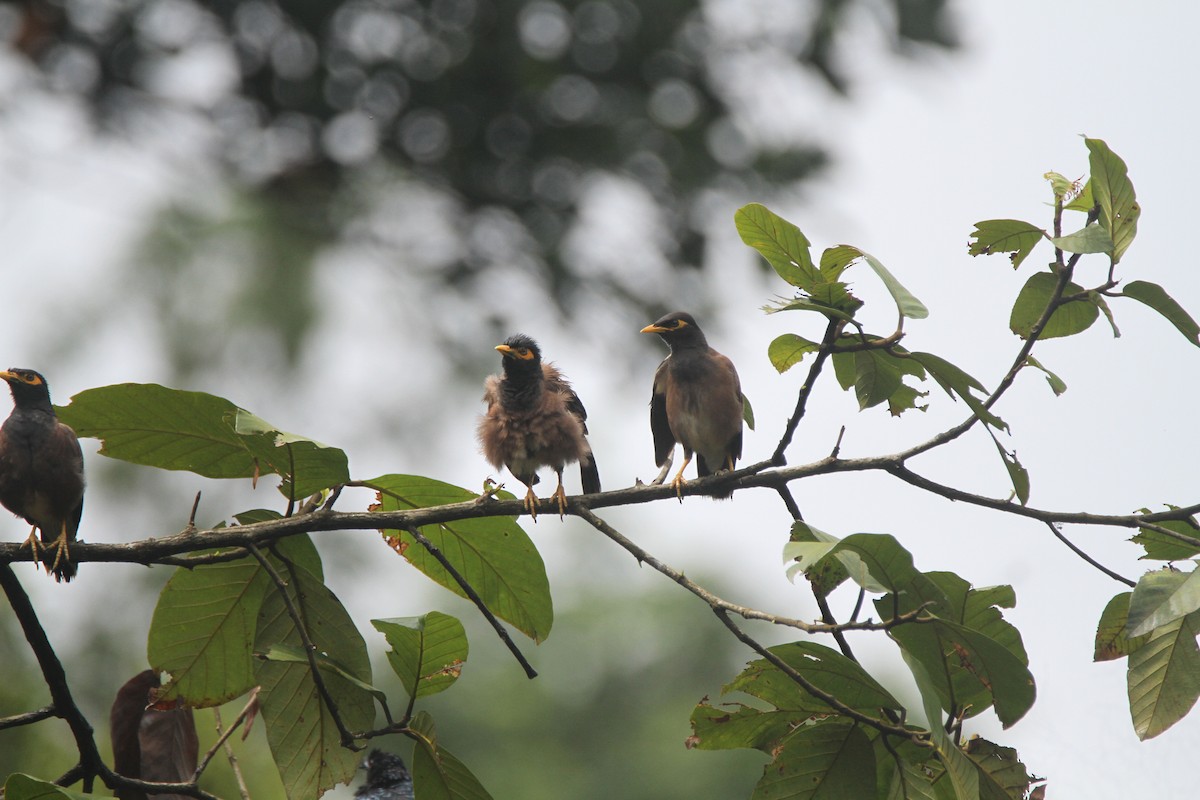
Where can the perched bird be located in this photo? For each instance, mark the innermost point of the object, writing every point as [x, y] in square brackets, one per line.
[387, 779]
[697, 401]
[151, 742]
[534, 419]
[41, 470]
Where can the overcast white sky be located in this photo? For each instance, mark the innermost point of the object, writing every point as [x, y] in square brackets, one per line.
[924, 151]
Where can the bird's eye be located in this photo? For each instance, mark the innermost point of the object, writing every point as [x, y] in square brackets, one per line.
[523, 352]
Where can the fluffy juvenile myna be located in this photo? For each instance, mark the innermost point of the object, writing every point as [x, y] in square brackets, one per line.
[697, 401]
[41, 470]
[534, 419]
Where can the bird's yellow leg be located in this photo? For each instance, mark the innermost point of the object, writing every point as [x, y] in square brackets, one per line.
[531, 501]
[34, 544]
[677, 481]
[62, 551]
[560, 496]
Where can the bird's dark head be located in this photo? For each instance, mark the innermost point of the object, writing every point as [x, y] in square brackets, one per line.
[29, 389]
[678, 329]
[384, 770]
[520, 355]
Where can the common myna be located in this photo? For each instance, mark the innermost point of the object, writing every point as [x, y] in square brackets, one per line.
[151, 741]
[41, 470]
[534, 419]
[697, 401]
[387, 779]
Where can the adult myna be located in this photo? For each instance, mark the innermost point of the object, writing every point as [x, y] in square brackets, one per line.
[697, 401]
[534, 419]
[41, 469]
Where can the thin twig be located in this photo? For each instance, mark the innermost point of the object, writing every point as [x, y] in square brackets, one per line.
[191, 524]
[222, 736]
[474, 597]
[243, 789]
[28, 718]
[310, 649]
[779, 458]
[1115, 576]
[719, 603]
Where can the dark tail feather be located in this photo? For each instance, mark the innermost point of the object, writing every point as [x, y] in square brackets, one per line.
[589, 474]
[702, 471]
[65, 571]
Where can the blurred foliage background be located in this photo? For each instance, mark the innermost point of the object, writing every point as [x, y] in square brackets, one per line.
[485, 163]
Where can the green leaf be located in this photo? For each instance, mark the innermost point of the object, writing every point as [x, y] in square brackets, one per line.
[1016, 473]
[1164, 677]
[734, 725]
[1067, 320]
[1057, 384]
[304, 740]
[1162, 547]
[978, 609]
[1090, 239]
[1002, 776]
[291, 654]
[822, 666]
[1061, 186]
[160, 427]
[202, 632]
[1004, 236]
[959, 768]
[311, 466]
[1085, 201]
[876, 377]
[905, 780]
[1157, 298]
[494, 554]
[1111, 641]
[436, 773]
[155, 426]
[1119, 210]
[955, 382]
[974, 659]
[747, 412]
[832, 760]
[780, 242]
[907, 303]
[808, 304]
[806, 550]
[788, 350]
[1161, 597]
[427, 653]
[20, 786]
[877, 562]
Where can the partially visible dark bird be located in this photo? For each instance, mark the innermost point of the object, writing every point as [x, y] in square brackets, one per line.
[534, 419]
[387, 779]
[697, 401]
[41, 470]
[151, 743]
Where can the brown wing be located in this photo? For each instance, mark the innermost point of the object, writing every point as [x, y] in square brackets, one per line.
[589, 473]
[555, 382]
[735, 444]
[660, 426]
